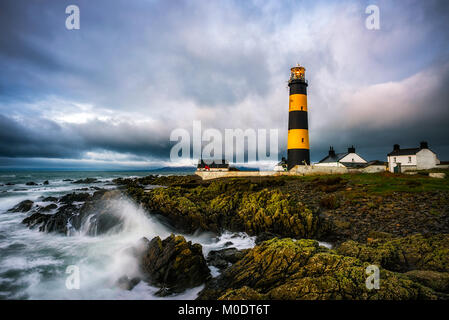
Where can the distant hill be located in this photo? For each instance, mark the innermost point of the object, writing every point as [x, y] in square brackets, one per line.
[174, 169]
[193, 169]
[247, 169]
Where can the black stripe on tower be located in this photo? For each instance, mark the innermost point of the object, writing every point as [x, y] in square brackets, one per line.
[298, 87]
[297, 120]
[297, 156]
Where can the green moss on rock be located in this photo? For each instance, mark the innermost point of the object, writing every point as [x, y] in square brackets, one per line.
[235, 205]
[301, 269]
[416, 252]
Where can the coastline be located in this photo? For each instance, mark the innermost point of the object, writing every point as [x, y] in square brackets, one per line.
[259, 236]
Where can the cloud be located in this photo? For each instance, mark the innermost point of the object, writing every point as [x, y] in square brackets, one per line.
[135, 71]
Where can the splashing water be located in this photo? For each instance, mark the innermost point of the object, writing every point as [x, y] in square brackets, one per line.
[33, 264]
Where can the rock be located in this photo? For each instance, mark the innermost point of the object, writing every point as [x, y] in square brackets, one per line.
[237, 205]
[87, 180]
[36, 219]
[23, 206]
[223, 258]
[173, 264]
[48, 208]
[244, 293]
[67, 180]
[97, 215]
[57, 222]
[31, 183]
[9, 184]
[264, 236]
[126, 283]
[415, 252]
[74, 197]
[46, 182]
[286, 269]
[49, 199]
[439, 281]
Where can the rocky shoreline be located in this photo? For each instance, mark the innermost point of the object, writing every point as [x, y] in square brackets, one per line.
[404, 233]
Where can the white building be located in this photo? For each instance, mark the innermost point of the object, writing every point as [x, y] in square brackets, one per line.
[400, 160]
[347, 159]
[281, 166]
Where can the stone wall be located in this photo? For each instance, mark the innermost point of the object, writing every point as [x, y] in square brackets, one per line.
[295, 171]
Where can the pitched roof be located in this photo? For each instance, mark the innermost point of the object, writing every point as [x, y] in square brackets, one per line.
[404, 152]
[334, 158]
[377, 163]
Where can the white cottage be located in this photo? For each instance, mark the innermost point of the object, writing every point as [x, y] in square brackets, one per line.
[347, 159]
[400, 160]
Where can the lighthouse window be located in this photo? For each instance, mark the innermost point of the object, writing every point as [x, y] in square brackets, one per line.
[302, 140]
[302, 108]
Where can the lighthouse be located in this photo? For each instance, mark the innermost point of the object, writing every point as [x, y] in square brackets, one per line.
[298, 129]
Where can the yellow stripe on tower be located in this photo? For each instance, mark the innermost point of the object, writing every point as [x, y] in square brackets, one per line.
[298, 139]
[297, 102]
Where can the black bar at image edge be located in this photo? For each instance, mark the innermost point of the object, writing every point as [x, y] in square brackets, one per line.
[177, 309]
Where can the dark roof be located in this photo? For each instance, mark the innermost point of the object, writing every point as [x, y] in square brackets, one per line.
[377, 163]
[334, 158]
[337, 158]
[404, 152]
[213, 163]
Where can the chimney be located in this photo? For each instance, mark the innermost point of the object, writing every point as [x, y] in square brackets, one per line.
[424, 145]
[351, 150]
[331, 152]
[396, 147]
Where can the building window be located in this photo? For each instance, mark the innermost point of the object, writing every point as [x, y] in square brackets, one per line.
[352, 159]
[394, 159]
[409, 159]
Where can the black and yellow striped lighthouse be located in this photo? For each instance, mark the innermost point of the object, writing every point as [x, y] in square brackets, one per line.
[298, 129]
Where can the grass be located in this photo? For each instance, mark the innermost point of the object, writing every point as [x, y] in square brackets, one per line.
[383, 183]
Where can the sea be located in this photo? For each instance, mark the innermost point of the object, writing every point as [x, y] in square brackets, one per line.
[38, 265]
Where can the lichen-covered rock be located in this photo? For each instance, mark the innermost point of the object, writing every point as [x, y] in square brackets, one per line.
[416, 252]
[438, 281]
[173, 264]
[23, 206]
[235, 205]
[301, 269]
[244, 293]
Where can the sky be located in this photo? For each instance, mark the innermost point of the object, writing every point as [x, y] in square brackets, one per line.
[109, 95]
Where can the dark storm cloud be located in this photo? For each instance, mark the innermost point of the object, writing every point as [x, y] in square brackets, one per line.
[45, 138]
[138, 69]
